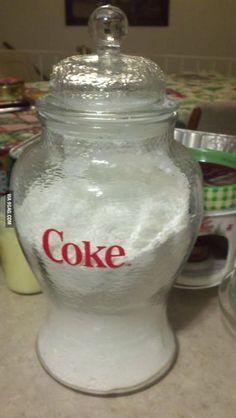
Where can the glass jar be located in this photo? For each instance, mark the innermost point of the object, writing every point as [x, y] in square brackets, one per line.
[227, 299]
[107, 208]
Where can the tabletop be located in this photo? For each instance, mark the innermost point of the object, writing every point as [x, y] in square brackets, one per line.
[200, 385]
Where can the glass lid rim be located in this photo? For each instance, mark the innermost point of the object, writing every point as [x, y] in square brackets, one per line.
[166, 107]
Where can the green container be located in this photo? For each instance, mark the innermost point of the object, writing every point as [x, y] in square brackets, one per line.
[221, 196]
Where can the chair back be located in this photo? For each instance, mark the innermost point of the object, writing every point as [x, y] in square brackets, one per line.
[13, 63]
[217, 117]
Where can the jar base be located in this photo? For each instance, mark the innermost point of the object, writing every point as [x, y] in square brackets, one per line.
[109, 354]
[119, 391]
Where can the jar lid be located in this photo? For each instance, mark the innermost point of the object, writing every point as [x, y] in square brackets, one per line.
[108, 81]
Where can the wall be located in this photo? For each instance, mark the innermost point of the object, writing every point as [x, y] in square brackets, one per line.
[196, 27]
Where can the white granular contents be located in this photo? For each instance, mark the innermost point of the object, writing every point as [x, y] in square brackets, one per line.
[140, 204]
[144, 210]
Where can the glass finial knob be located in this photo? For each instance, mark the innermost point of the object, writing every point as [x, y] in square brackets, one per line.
[108, 25]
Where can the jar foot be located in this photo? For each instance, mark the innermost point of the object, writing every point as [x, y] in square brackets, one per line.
[107, 354]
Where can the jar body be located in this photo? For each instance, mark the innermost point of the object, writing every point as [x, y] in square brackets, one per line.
[107, 214]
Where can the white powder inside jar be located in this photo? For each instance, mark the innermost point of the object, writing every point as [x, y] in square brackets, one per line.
[141, 204]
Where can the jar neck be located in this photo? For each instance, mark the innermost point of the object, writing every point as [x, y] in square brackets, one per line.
[105, 134]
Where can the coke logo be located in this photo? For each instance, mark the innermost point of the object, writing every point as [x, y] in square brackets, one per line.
[100, 256]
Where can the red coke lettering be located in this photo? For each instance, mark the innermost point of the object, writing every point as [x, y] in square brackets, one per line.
[109, 256]
[75, 255]
[89, 256]
[78, 254]
[46, 246]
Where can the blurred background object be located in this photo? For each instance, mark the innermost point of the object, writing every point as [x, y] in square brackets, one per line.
[213, 256]
[17, 273]
[218, 117]
[227, 299]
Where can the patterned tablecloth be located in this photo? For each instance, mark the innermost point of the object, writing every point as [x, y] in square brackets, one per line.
[191, 89]
[14, 128]
[188, 89]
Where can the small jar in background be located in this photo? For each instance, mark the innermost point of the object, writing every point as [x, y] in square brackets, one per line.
[11, 88]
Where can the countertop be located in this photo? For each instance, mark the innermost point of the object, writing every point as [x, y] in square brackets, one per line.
[202, 383]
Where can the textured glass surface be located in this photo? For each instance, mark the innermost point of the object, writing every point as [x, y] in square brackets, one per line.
[100, 185]
[227, 298]
[93, 77]
[108, 184]
[108, 78]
